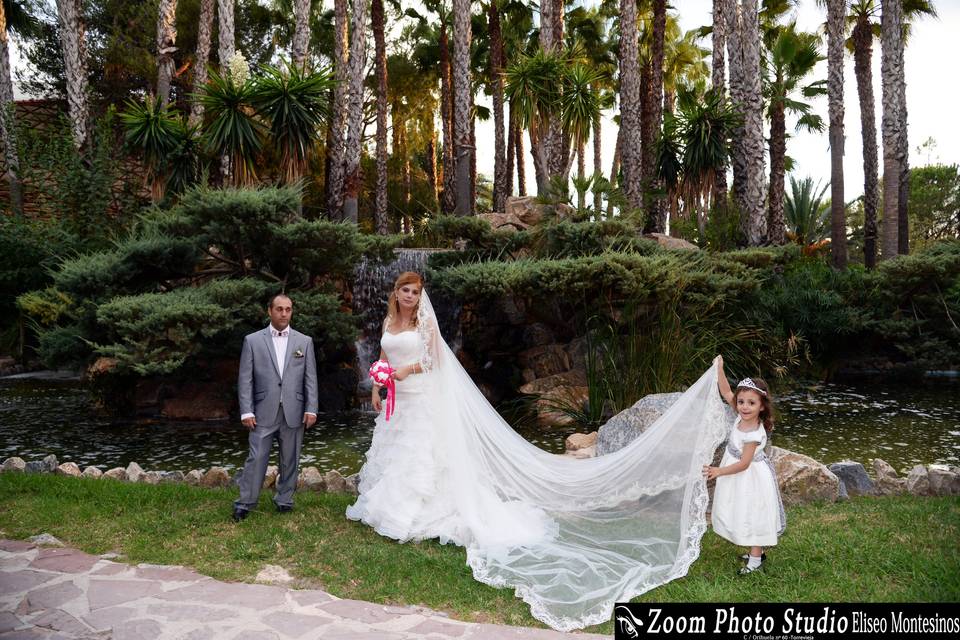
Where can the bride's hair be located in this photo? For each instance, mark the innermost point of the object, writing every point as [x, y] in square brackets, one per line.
[393, 307]
[767, 416]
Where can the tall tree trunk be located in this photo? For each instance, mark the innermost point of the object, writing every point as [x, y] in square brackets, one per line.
[228, 42]
[521, 163]
[473, 160]
[551, 139]
[615, 166]
[449, 201]
[301, 33]
[754, 144]
[73, 43]
[862, 55]
[836, 15]
[719, 84]
[461, 104]
[629, 137]
[338, 117]
[903, 157]
[8, 135]
[166, 47]
[204, 36]
[891, 34]
[778, 156]
[380, 206]
[500, 171]
[734, 32]
[656, 211]
[511, 150]
[432, 165]
[352, 148]
[581, 173]
[597, 163]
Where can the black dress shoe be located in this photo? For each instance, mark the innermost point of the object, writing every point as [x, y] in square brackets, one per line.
[284, 508]
[239, 514]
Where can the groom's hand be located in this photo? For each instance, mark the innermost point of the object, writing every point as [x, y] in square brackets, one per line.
[309, 420]
[249, 423]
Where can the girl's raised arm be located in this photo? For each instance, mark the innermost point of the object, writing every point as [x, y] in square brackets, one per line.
[724, 385]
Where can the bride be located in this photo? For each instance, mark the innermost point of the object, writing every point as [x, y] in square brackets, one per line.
[572, 537]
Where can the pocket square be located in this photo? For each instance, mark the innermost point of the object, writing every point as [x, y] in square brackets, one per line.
[298, 353]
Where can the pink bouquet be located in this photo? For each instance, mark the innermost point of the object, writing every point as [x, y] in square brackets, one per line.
[380, 373]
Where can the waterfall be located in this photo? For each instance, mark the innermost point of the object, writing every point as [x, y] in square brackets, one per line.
[372, 284]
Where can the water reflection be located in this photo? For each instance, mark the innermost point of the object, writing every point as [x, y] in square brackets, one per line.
[903, 425]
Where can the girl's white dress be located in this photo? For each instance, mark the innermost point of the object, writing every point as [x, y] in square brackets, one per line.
[747, 509]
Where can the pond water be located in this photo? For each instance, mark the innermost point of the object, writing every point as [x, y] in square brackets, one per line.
[904, 425]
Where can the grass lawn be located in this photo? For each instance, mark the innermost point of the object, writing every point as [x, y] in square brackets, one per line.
[863, 550]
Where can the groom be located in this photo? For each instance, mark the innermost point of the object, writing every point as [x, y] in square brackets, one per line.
[277, 390]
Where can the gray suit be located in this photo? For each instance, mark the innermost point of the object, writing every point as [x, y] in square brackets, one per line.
[278, 402]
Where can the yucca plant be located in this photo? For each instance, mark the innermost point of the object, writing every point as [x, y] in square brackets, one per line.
[166, 142]
[231, 126]
[806, 212]
[293, 103]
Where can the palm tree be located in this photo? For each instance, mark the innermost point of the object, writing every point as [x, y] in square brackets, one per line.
[204, 35]
[838, 222]
[380, 60]
[7, 122]
[551, 41]
[719, 82]
[891, 61]
[355, 124]
[656, 212]
[629, 136]
[166, 47]
[448, 203]
[73, 43]
[461, 78]
[338, 115]
[792, 55]
[806, 212]
[753, 141]
[232, 130]
[301, 32]
[500, 174]
[228, 41]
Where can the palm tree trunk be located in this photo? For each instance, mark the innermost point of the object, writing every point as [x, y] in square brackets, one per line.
[204, 36]
[501, 173]
[228, 42]
[903, 156]
[473, 159]
[461, 104]
[734, 33]
[73, 43]
[862, 55]
[358, 66]
[521, 163]
[338, 117]
[778, 154]
[753, 141]
[8, 136]
[581, 173]
[628, 143]
[511, 150]
[836, 13]
[615, 166]
[301, 32]
[432, 165]
[378, 23]
[597, 162]
[656, 212]
[449, 201]
[718, 80]
[166, 46]
[551, 140]
[891, 34]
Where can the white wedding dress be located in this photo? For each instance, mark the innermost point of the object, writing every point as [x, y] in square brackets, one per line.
[572, 537]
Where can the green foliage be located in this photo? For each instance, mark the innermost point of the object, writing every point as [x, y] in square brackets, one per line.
[806, 212]
[45, 306]
[62, 347]
[934, 204]
[571, 239]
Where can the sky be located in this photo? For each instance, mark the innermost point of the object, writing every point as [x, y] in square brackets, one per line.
[933, 95]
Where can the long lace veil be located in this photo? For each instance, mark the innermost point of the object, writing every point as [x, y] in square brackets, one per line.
[571, 536]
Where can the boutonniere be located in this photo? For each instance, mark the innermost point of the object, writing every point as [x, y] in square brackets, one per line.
[298, 353]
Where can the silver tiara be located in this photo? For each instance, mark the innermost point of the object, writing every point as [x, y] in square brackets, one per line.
[747, 383]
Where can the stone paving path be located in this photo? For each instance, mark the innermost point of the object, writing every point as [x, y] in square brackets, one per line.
[60, 593]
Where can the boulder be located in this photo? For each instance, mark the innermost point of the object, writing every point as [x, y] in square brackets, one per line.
[854, 478]
[335, 482]
[538, 334]
[577, 441]
[101, 366]
[624, 427]
[14, 465]
[943, 481]
[151, 477]
[134, 472]
[803, 479]
[530, 212]
[92, 472]
[117, 473]
[193, 478]
[551, 404]
[69, 469]
[311, 479]
[669, 242]
[35, 466]
[215, 477]
[918, 481]
[580, 454]
[353, 484]
[171, 476]
[545, 360]
[503, 221]
[887, 482]
[572, 378]
[270, 477]
[50, 464]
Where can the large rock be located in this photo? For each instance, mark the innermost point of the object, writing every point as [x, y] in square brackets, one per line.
[577, 441]
[151, 477]
[134, 472]
[530, 212]
[669, 242]
[270, 477]
[943, 481]
[503, 221]
[353, 484]
[335, 482]
[174, 477]
[551, 405]
[193, 477]
[803, 479]
[545, 360]
[117, 473]
[887, 482]
[14, 465]
[101, 366]
[50, 464]
[92, 472]
[918, 481]
[311, 479]
[854, 478]
[69, 469]
[623, 428]
[572, 378]
[215, 477]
